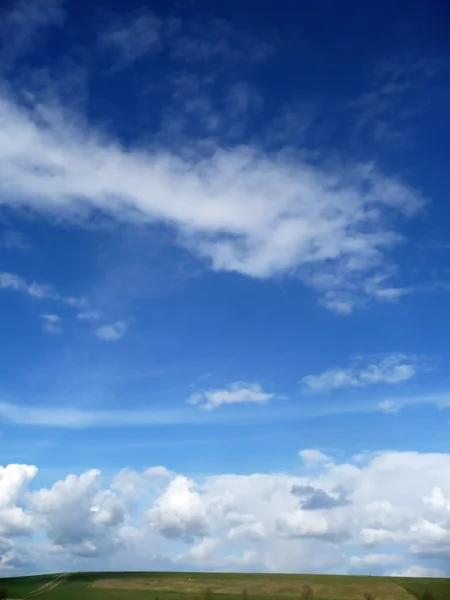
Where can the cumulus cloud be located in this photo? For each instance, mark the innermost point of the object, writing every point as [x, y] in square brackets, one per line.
[253, 531]
[78, 515]
[299, 524]
[13, 484]
[179, 512]
[15, 557]
[397, 517]
[313, 456]
[392, 369]
[235, 393]
[238, 209]
[112, 332]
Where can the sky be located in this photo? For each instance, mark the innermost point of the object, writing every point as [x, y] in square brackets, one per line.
[224, 286]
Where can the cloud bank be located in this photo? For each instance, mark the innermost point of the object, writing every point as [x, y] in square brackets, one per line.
[388, 512]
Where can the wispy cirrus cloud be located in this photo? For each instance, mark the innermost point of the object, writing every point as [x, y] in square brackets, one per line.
[68, 417]
[240, 209]
[40, 291]
[393, 405]
[133, 35]
[51, 324]
[235, 393]
[188, 40]
[400, 93]
[21, 25]
[218, 39]
[395, 368]
[15, 240]
[73, 417]
[89, 315]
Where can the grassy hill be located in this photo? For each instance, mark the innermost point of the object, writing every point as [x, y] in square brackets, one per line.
[205, 586]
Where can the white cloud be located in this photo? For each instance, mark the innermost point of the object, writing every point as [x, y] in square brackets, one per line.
[13, 482]
[303, 524]
[375, 560]
[393, 369]
[64, 416]
[15, 557]
[112, 332]
[235, 393]
[312, 456]
[388, 406]
[179, 512]
[73, 417]
[239, 209]
[50, 415]
[393, 405]
[158, 472]
[9, 281]
[420, 571]
[89, 315]
[203, 551]
[78, 515]
[253, 531]
[397, 514]
[51, 324]
[40, 291]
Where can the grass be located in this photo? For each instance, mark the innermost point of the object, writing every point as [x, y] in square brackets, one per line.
[200, 586]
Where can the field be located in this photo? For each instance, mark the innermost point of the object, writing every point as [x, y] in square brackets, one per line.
[195, 586]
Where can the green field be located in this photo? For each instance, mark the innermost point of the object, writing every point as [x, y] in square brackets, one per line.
[204, 586]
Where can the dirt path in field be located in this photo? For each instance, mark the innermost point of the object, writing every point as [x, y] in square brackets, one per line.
[50, 585]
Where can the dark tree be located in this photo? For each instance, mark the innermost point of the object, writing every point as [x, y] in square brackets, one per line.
[3, 593]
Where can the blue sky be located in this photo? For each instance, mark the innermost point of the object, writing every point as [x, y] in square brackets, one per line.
[223, 241]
